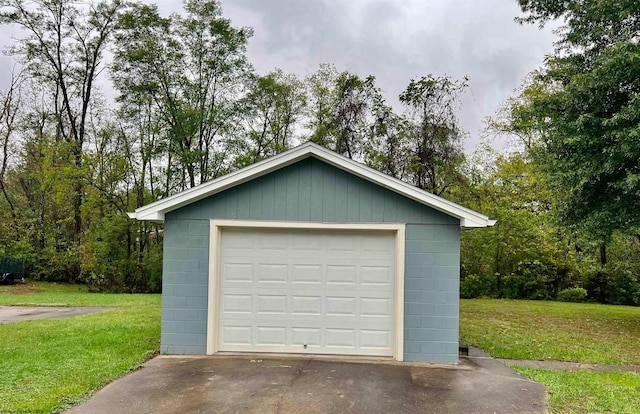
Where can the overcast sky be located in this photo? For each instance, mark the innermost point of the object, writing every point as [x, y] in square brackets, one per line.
[394, 40]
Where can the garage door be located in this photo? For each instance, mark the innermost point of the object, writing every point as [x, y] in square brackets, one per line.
[306, 291]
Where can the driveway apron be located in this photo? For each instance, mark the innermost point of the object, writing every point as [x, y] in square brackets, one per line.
[222, 384]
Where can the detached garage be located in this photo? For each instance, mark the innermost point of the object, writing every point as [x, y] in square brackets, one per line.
[309, 252]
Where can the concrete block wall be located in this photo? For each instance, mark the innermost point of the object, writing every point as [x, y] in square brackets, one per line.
[431, 293]
[185, 280]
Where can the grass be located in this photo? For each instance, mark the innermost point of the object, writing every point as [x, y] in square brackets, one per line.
[538, 330]
[588, 333]
[589, 392]
[49, 364]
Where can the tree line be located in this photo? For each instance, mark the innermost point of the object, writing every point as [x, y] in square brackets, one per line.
[189, 107]
[568, 201]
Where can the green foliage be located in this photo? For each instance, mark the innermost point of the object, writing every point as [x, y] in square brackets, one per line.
[569, 201]
[271, 108]
[190, 108]
[626, 288]
[433, 138]
[573, 294]
[181, 76]
[589, 24]
[341, 109]
[535, 280]
[524, 252]
[597, 281]
[474, 286]
[588, 114]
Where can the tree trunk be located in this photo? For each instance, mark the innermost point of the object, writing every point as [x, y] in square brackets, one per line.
[77, 197]
[603, 255]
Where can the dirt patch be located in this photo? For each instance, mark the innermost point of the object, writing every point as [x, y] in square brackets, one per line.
[19, 288]
[10, 314]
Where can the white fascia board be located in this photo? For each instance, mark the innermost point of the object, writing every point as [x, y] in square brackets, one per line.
[156, 211]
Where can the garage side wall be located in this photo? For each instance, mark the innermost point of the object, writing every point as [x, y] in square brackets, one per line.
[431, 293]
[314, 191]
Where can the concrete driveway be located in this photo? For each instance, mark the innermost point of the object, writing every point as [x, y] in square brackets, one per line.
[223, 384]
[10, 314]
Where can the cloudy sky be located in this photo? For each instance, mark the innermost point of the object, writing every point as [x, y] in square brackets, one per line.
[394, 40]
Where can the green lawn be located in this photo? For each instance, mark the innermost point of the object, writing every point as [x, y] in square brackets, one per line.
[589, 392]
[49, 364]
[588, 333]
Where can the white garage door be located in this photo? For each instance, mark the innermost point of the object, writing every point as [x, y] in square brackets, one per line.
[307, 291]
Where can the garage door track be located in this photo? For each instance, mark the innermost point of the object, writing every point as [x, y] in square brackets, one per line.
[312, 385]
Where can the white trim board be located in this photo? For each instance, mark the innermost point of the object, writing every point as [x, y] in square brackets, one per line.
[216, 227]
[156, 211]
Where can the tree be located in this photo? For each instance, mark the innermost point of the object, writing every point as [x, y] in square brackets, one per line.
[191, 68]
[269, 111]
[433, 137]
[509, 188]
[589, 25]
[63, 49]
[386, 148]
[589, 112]
[340, 110]
[9, 110]
[515, 121]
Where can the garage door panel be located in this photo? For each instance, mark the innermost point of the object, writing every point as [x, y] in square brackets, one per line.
[236, 335]
[308, 242]
[271, 336]
[342, 242]
[306, 305]
[340, 306]
[306, 273]
[237, 272]
[272, 273]
[329, 290]
[376, 275]
[340, 338]
[371, 306]
[238, 241]
[271, 304]
[275, 240]
[375, 339]
[301, 336]
[235, 303]
[342, 274]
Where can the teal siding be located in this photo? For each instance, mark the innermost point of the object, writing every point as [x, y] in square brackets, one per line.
[312, 190]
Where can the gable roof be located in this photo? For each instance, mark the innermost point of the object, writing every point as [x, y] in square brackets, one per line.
[157, 210]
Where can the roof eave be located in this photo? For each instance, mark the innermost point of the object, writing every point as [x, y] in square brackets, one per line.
[156, 211]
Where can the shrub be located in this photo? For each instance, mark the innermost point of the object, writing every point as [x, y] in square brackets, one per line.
[535, 280]
[597, 281]
[625, 288]
[574, 294]
[56, 266]
[474, 286]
